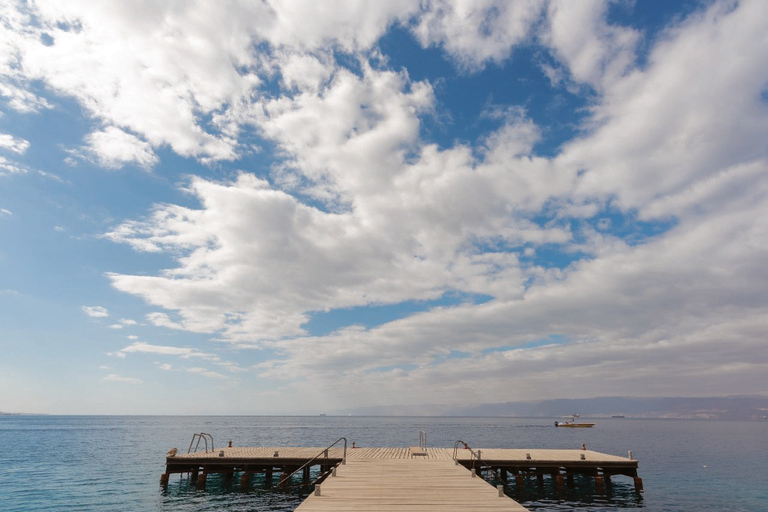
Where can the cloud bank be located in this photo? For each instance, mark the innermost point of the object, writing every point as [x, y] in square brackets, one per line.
[629, 261]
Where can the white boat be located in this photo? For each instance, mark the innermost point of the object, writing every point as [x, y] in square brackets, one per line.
[571, 423]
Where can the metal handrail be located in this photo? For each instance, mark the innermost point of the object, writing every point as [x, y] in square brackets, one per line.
[202, 436]
[313, 459]
[474, 455]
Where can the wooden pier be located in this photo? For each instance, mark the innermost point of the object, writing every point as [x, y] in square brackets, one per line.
[380, 485]
[417, 478]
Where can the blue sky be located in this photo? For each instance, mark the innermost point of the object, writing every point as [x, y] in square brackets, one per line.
[298, 207]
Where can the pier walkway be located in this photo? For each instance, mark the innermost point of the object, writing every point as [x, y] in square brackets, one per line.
[399, 484]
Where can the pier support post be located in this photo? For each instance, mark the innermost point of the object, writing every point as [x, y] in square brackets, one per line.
[284, 477]
[600, 484]
[201, 480]
[638, 483]
[519, 482]
[559, 482]
[193, 475]
[305, 475]
[245, 481]
[268, 477]
[540, 476]
[569, 479]
[164, 478]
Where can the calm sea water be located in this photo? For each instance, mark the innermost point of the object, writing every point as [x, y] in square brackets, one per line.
[113, 463]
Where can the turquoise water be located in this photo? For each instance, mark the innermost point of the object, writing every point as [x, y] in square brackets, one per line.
[113, 463]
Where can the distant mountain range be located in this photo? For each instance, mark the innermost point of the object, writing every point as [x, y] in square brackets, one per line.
[726, 407]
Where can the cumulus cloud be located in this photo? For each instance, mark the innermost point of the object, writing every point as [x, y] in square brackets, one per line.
[474, 33]
[654, 211]
[113, 148]
[593, 51]
[95, 311]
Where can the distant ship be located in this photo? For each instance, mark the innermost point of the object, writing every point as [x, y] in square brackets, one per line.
[618, 416]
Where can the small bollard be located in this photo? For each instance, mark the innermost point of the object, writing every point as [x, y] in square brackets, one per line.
[333, 473]
[221, 453]
[583, 456]
[630, 454]
[527, 456]
[317, 490]
[501, 490]
[474, 473]
[277, 454]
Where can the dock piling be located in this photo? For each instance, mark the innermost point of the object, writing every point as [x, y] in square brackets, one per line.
[559, 483]
[600, 484]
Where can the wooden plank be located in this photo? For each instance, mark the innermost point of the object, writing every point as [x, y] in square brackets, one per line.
[418, 451]
[419, 485]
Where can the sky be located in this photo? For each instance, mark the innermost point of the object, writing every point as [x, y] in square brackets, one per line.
[300, 207]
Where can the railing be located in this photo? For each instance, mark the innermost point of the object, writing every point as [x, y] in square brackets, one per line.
[323, 453]
[202, 436]
[474, 455]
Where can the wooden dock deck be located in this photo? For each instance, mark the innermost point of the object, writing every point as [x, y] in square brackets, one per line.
[399, 484]
[426, 477]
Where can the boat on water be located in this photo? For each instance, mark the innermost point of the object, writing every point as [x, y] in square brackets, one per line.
[571, 423]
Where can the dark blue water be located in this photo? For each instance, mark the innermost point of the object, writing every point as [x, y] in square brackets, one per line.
[113, 463]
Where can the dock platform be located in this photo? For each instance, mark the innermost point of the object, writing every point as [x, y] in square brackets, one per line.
[393, 478]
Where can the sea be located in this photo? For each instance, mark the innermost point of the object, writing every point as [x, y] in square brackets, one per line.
[114, 463]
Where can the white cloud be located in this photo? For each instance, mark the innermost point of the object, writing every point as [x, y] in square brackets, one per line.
[140, 347]
[95, 311]
[13, 144]
[474, 33]
[593, 51]
[113, 377]
[10, 167]
[673, 124]
[207, 373]
[4, 212]
[113, 148]
[358, 210]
